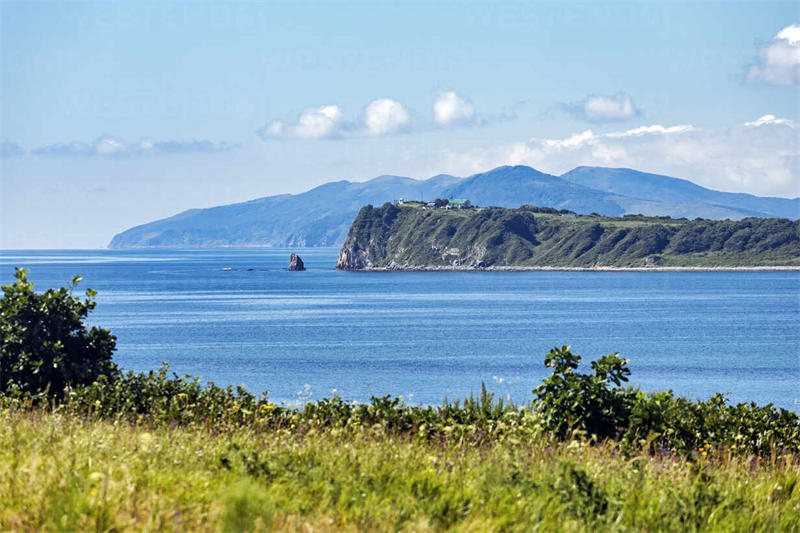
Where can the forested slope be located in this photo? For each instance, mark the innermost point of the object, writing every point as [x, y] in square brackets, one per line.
[406, 237]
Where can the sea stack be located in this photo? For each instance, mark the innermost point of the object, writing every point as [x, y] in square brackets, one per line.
[295, 263]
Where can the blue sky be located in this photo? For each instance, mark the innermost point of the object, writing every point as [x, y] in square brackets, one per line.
[117, 113]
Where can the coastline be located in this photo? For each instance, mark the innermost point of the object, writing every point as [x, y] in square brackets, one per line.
[574, 269]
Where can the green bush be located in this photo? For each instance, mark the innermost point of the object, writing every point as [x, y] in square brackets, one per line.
[45, 344]
[670, 422]
[597, 406]
[570, 401]
[161, 398]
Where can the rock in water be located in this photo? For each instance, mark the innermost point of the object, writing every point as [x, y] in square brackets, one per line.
[295, 263]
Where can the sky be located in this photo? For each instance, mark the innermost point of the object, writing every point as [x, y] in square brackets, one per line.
[114, 114]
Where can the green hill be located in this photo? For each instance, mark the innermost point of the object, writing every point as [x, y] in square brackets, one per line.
[394, 237]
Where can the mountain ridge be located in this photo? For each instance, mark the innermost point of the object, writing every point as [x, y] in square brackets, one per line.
[322, 215]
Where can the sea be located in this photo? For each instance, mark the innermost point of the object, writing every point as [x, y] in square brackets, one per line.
[239, 317]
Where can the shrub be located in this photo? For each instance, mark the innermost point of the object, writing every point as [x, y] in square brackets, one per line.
[569, 401]
[45, 344]
[671, 422]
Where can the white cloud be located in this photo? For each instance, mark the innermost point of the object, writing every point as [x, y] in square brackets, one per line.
[381, 117]
[107, 146]
[759, 157]
[769, 119]
[450, 109]
[779, 60]
[385, 116]
[314, 122]
[648, 130]
[600, 108]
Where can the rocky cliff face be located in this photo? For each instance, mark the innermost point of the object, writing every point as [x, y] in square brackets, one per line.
[408, 238]
[295, 263]
[351, 258]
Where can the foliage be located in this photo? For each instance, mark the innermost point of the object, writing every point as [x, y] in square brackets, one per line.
[569, 401]
[667, 422]
[45, 343]
[595, 405]
[155, 395]
[406, 237]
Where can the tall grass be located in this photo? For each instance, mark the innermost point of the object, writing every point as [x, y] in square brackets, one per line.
[64, 471]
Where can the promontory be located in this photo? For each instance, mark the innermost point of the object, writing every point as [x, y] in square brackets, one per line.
[457, 236]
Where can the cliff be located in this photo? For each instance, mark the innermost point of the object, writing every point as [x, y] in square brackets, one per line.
[407, 238]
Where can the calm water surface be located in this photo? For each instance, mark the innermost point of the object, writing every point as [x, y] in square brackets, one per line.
[430, 335]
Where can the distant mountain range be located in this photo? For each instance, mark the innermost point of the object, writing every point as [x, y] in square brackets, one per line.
[322, 216]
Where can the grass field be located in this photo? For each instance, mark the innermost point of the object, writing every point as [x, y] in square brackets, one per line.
[69, 472]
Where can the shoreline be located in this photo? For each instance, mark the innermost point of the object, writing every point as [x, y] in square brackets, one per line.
[574, 269]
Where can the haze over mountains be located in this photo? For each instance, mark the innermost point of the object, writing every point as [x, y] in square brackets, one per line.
[322, 216]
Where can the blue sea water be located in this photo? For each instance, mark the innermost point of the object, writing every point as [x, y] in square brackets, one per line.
[237, 316]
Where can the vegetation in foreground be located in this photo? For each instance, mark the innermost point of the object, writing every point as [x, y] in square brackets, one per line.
[406, 237]
[154, 451]
[62, 471]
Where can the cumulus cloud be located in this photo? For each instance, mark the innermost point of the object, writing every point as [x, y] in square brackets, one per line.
[769, 119]
[385, 116]
[760, 157]
[451, 109]
[779, 60]
[600, 108]
[316, 122]
[107, 146]
[381, 117]
[10, 149]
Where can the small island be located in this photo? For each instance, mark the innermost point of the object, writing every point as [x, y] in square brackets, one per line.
[414, 236]
[296, 264]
